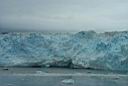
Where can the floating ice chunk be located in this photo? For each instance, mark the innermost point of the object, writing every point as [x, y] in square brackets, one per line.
[40, 72]
[68, 81]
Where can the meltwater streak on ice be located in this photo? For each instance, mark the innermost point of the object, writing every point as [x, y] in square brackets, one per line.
[85, 49]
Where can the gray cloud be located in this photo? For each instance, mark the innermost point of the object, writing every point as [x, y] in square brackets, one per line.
[63, 15]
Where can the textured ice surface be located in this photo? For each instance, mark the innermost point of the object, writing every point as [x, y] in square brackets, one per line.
[85, 49]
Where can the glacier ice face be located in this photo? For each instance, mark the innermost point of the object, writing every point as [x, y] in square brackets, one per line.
[85, 49]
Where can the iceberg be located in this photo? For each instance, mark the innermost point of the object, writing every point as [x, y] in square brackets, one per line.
[85, 49]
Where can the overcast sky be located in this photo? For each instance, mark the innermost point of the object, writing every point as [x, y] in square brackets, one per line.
[63, 15]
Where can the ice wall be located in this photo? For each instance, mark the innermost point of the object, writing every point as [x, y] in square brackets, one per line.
[85, 49]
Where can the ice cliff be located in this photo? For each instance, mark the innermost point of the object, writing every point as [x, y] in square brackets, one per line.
[85, 49]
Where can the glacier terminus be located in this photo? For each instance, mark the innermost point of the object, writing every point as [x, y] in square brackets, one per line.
[85, 49]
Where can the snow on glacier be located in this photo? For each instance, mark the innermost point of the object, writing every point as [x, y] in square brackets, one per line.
[85, 49]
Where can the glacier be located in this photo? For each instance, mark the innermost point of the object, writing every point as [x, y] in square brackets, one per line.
[84, 49]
